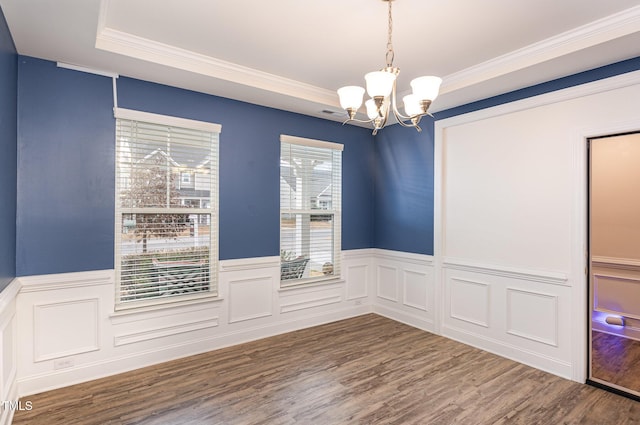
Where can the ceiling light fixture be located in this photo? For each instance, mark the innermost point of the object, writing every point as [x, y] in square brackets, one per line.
[381, 86]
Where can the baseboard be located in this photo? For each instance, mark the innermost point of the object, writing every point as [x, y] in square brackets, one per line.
[623, 332]
[406, 318]
[113, 366]
[511, 352]
[6, 413]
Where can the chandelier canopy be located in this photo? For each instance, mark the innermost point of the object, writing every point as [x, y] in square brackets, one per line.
[381, 86]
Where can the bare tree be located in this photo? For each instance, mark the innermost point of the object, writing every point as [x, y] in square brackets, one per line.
[152, 185]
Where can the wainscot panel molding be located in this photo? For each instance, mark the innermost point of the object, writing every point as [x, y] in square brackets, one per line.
[357, 270]
[70, 332]
[615, 284]
[249, 264]
[310, 298]
[533, 220]
[58, 333]
[616, 294]
[404, 288]
[510, 272]
[616, 263]
[469, 301]
[250, 298]
[8, 349]
[510, 312]
[66, 280]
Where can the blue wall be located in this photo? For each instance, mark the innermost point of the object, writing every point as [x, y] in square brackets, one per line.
[8, 140]
[66, 157]
[404, 165]
[66, 138]
[66, 167]
[404, 189]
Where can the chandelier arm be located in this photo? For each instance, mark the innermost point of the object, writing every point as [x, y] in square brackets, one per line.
[412, 125]
[400, 117]
[357, 120]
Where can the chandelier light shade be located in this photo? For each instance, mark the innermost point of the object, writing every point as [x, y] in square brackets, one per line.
[379, 83]
[351, 97]
[381, 87]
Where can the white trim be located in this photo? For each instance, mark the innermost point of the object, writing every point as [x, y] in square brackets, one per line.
[353, 254]
[133, 115]
[6, 415]
[241, 264]
[311, 142]
[9, 294]
[305, 304]
[510, 351]
[164, 331]
[87, 70]
[582, 90]
[127, 44]
[410, 318]
[311, 283]
[405, 257]
[618, 25]
[553, 278]
[38, 309]
[164, 304]
[553, 297]
[47, 282]
[630, 264]
[487, 307]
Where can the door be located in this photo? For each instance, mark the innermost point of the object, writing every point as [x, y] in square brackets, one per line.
[614, 258]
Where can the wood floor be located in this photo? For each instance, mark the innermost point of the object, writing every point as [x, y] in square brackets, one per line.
[365, 370]
[616, 360]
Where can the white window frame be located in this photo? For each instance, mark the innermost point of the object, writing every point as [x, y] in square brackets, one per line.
[335, 211]
[213, 211]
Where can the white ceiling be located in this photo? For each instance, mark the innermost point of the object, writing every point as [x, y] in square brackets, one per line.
[294, 54]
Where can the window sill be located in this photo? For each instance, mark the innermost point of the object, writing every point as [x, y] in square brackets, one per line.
[126, 310]
[311, 284]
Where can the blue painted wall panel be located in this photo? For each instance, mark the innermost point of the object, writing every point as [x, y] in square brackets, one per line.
[8, 143]
[66, 169]
[404, 189]
[66, 162]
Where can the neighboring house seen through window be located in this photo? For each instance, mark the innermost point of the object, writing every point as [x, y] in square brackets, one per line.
[166, 208]
[310, 210]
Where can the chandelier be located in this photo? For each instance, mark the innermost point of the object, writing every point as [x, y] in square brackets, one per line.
[381, 86]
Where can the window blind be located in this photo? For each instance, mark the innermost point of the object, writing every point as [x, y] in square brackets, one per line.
[310, 210]
[166, 210]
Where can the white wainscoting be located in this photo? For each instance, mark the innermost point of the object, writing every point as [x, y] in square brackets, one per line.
[8, 349]
[523, 315]
[70, 333]
[405, 288]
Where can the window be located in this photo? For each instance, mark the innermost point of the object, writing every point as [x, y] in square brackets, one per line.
[166, 241]
[310, 210]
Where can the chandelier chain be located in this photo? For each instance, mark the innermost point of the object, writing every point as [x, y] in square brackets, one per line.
[390, 54]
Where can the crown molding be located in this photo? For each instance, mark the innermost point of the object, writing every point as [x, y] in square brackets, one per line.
[606, 29]
[126, 44]
[592, 34]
